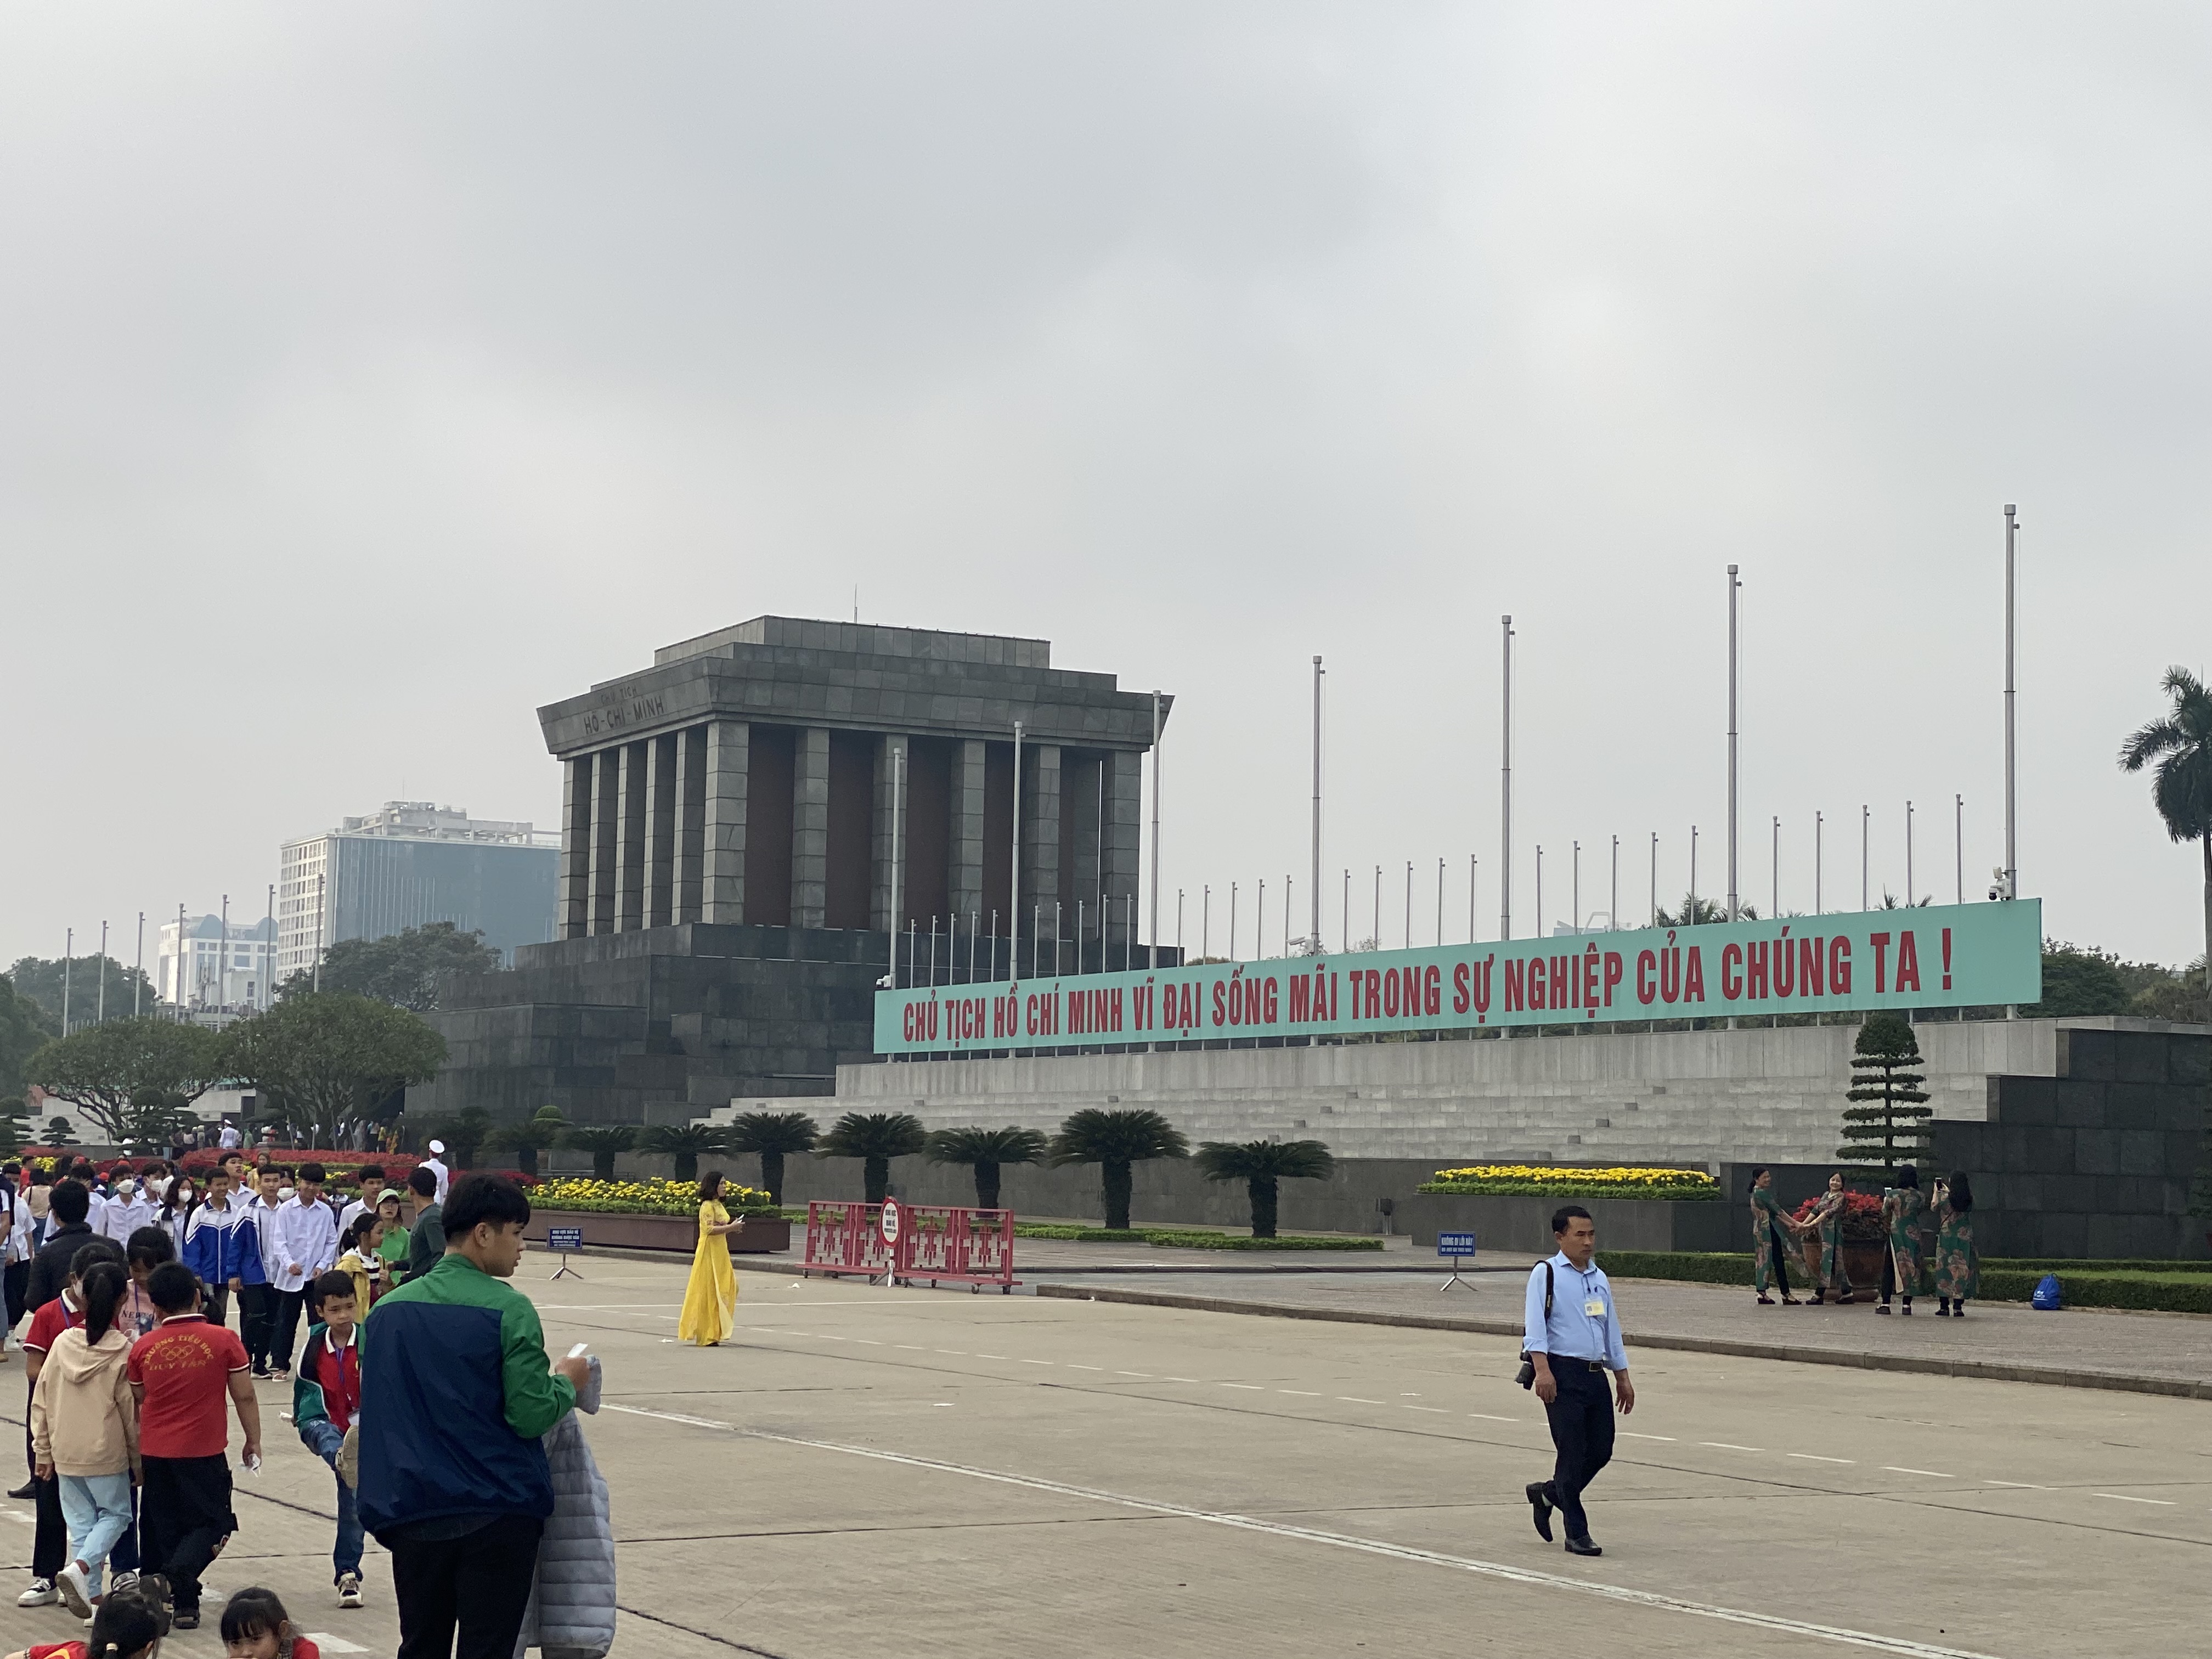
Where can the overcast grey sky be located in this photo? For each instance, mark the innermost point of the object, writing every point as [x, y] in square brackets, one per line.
[375, 374]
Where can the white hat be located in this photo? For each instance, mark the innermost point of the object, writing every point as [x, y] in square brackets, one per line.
[437, 1149]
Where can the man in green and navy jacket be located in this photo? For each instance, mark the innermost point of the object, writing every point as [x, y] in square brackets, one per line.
[456, 1390]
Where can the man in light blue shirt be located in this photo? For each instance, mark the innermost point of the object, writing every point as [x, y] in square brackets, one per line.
[1573, 1340]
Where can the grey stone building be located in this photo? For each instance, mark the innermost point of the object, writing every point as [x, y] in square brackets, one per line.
[738, 821]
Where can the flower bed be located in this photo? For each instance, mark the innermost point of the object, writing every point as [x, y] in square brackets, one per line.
[1564, 1181]
[654, 1197]
[1863, 1223]
[2172, 1291]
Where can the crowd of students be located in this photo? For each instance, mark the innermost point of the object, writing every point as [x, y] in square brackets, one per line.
[135, 1374]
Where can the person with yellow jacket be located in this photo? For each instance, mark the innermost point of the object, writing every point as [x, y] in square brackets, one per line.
[84, 1428]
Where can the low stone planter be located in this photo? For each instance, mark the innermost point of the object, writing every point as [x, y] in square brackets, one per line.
[1523, 1224]
[760, 1235]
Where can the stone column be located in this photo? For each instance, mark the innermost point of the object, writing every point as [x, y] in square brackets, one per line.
[630, 840]
[659, 830]
[606, 765]
[967, 874]
[722, 886]
[880, 903]
[575, 846]
[1124, 829]
[1040, 820]
[690, 822]
[809, 828]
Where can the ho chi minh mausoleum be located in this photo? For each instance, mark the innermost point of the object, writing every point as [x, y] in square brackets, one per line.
[736, 820]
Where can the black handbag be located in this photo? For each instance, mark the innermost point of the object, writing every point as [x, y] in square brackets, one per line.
[1526, 1375]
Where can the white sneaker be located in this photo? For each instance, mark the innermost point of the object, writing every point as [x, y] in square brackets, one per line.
[75, 1585]
[42, 1594]
[349, 1591]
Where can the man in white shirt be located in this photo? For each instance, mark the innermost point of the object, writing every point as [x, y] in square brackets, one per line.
[307, 1245]
[258, 1304]
[230, 1139]
[126, 1210]
[372, 1183]
[434, 1164]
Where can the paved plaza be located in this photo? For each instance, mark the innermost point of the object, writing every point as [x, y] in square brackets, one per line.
[915, 1472]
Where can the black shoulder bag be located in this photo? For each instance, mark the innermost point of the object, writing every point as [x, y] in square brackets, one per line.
[1526, 1375]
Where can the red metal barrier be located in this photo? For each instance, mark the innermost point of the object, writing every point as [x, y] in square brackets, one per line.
[938, 1243]
[957, 1246]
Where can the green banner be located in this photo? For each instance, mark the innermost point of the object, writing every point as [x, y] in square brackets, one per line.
[1955, 956]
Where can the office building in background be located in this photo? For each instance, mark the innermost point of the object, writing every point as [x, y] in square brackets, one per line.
[197, 966]
[410, 863]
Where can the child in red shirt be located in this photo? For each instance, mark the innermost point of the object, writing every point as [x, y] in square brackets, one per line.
[182, 1371]
[255, 1626]
[129, 1624]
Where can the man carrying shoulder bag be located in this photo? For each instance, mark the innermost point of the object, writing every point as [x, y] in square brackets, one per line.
[1573, 1340]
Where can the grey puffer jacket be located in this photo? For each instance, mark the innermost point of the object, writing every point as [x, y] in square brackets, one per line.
[572, 1603]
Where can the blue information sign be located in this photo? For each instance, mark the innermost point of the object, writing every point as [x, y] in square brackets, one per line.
[1455, 1244]
[564, 1239]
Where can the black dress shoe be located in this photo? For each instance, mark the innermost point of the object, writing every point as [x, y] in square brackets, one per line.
[1582, 1546]
[28, 1489]
[1542, 1503]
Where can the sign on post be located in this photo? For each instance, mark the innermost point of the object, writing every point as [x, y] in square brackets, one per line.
[888, 1223]
[1456, 1247]
[568, 1241]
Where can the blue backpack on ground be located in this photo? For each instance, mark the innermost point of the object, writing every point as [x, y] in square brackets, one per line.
[2046, 1297]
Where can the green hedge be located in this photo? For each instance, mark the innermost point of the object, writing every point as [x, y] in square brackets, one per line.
[1555, 1189]
[2091, 1264]
[2176, 1288]
[1241, 1242]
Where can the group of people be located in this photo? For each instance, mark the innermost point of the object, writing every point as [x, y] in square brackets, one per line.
[1927, 1248]
[135, 1375]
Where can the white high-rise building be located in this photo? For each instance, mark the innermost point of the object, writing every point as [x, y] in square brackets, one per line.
[207, 971]
[412, 863]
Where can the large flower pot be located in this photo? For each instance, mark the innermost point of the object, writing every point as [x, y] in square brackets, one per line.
[678, 1234]
[1863, 1263]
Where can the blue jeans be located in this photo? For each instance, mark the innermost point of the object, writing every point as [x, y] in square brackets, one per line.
[97, 1508]
[323, 1437]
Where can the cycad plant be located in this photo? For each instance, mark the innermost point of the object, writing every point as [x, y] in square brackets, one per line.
[874, 1137]
[606, 1142]
[1889, 1126]
[2181, 742]
[773, 1136]
[1260, 1164]
[1114, 1142]
[531, 1135]
[685, 1142]
[984, 1151]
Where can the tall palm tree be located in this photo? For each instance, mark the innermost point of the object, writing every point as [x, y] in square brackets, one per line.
[685, 1142]
[1260, 1164]
[1113, 1141]
[984, 1151]
[2181, 743]
[773, 1136]
[874, 1137]
[604, 1142]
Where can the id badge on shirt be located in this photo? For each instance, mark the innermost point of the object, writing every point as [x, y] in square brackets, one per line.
[1594, 1308]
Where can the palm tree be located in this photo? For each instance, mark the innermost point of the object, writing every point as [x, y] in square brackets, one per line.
[530, 1135]
[2181, 743]
[773, 1136]
[1702, 912]
[875, 1137]
[604, 1142]
[685, 1142]
[1113, 1141]
[1260, 1164]
[985, 1150]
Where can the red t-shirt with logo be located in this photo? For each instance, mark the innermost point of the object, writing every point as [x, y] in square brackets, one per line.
[184, 1365]
[51, 1319]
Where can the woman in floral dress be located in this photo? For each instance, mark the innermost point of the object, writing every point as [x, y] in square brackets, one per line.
[1904, 1213]
[1826, 1219]
[1957, 1269]
[1770, 1253]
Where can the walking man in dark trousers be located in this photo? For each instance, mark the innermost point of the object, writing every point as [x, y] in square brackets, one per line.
[1573, 1340]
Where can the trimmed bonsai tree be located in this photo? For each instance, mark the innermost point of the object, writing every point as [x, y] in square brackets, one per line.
[684, 1142]
[772, 1137]
[1888, 1125]
[874, 1137]
[984, 1151]
[1260, 1165]
[606, 1142]
[1115, 1140]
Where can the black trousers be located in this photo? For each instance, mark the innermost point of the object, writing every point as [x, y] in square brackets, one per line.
[216, 1306]
[257, 1318]
[285, 1329]
[494, 1563]
[17, 1281]
[184, 1515]
[1781, 1258]
[1582, 1431]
